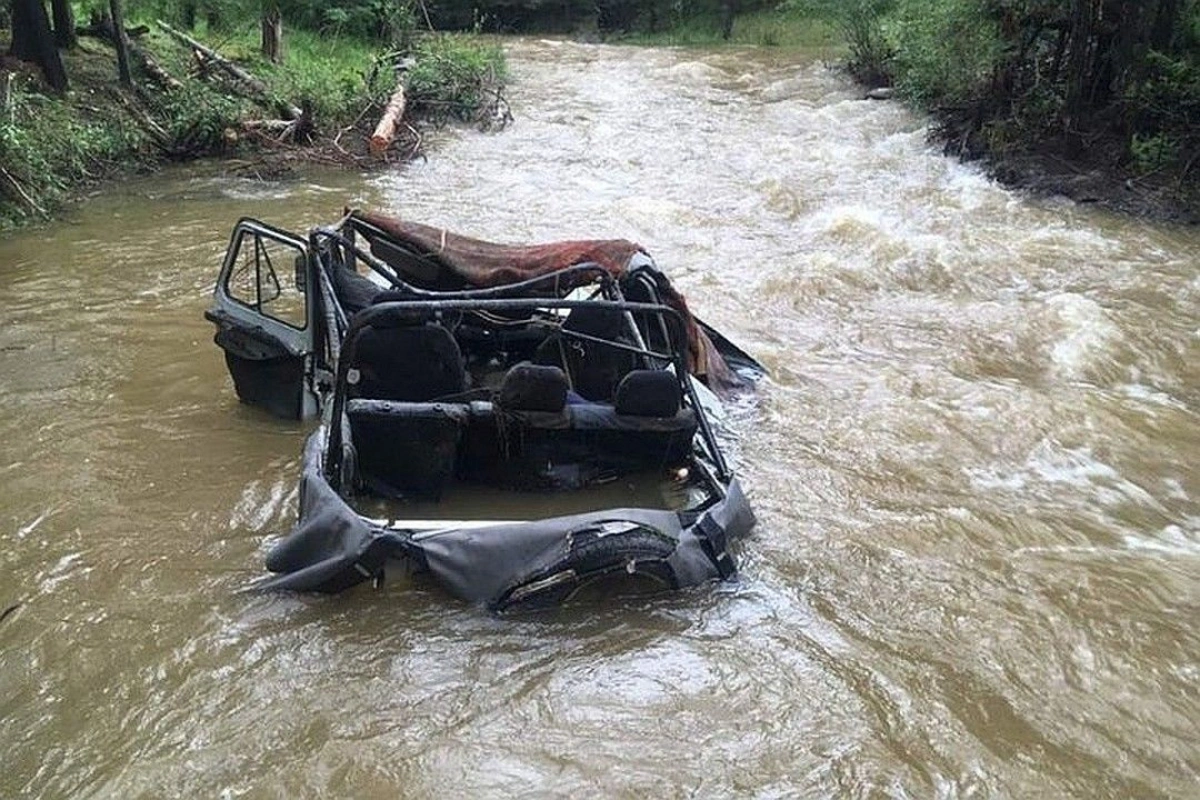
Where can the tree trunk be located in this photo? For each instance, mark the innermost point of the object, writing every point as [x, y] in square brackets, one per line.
[385, 131]
[1079, 58]
[729, 10]
[1164, 27]
[122, 45]
[272, 35]
[33, 41]
[64, 24]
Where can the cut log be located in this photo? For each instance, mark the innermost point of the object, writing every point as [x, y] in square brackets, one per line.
[385, 131]
[252, 83]
[273, 125]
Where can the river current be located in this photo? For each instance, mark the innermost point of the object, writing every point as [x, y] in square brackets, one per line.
[976, 466]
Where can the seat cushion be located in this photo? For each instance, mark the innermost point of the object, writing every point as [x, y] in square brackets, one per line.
[406, 449]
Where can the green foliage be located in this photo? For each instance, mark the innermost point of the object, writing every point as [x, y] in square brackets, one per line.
[1154, 152]
[945, 50]
[862, 25]
[328, 73]
[453, 73]
[391, 21]
[47, 146]
[197, 118]
[1168, 95]
[780, 27]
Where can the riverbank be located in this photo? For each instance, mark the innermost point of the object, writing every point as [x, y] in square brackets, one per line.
[1099, 103]
[1002, 88]
[320, 104]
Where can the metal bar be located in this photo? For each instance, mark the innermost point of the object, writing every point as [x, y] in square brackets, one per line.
[384, 269]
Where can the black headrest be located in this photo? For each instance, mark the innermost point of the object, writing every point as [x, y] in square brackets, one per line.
[532, 387]
[649, 393]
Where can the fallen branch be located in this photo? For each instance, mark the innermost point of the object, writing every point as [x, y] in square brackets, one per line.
[285, 130]
[272, 125]
[417, 140]
[252, 83]
[160, 136]
[385, 131]
[15, 186]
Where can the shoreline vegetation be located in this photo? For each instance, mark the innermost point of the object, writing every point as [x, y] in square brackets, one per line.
[1095, 100]
[210, 81]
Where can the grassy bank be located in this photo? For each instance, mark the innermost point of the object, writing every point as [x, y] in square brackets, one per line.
[52, 144]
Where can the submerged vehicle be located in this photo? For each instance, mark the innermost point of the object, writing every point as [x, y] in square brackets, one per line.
[451, 375]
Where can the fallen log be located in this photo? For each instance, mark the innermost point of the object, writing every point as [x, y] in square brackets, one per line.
[385, 131]
[154, 69]
[272, 125]
[157, 133]
[252, 83]
[294, 130]
[102, 28]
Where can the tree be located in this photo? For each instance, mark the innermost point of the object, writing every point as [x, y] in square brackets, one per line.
[272, 32]
[118, 18]
[64, 23]
[729, 9]
[32, 40]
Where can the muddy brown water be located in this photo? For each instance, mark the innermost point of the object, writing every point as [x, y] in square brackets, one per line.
[976, 466]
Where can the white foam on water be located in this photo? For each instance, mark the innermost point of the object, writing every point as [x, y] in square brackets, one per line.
[1172, 540]
[1087, 336]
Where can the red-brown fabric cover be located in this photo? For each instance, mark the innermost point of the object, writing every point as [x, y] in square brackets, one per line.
[488, 264]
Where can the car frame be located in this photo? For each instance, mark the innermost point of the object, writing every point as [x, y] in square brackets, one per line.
[437, 363]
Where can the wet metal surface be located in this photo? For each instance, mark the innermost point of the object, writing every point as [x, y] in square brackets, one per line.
[976, 467]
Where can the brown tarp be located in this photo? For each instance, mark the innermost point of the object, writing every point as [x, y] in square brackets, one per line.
[487, 264]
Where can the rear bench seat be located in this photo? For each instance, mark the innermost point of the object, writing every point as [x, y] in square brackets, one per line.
[405, 443]
[528, 437]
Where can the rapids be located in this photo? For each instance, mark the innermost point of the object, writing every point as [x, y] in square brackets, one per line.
[976, 466]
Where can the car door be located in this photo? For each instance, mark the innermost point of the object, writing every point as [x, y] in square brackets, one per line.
[263, 307]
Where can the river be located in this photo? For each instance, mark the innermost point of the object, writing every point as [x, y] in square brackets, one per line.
[976, 466]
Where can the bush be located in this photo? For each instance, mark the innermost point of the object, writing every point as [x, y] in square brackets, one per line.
[862, 24]
[945, 50]
[326, 73]
[47, 147]
[197, 118]
[453, 74]
[1165, 108]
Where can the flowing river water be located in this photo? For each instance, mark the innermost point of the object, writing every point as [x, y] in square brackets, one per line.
[976, 466]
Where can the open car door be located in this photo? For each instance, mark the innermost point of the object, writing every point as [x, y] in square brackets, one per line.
[264, 310]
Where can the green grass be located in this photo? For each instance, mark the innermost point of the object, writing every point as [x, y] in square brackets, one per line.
[49, 144]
